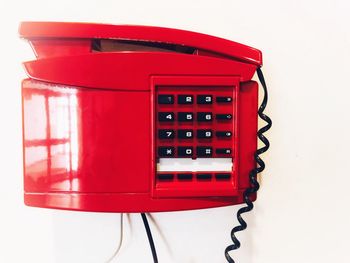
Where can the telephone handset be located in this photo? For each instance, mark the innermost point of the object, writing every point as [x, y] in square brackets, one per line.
[139, 119]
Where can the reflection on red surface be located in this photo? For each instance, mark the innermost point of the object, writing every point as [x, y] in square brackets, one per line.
[51, 137]
[85, 140]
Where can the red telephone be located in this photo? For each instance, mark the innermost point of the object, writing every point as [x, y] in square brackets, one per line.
[137, 119]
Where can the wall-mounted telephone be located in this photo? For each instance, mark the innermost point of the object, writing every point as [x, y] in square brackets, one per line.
[139, 119]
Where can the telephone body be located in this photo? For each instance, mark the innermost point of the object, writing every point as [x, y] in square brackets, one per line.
[136, 118]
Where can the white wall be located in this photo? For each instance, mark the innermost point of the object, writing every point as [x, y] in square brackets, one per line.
[302, 214]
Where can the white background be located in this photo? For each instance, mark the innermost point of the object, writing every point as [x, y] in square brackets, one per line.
[302, 213]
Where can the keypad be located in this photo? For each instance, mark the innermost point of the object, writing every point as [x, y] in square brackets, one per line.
[195, 122]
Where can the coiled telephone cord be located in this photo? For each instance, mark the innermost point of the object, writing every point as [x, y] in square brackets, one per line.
[254, 185]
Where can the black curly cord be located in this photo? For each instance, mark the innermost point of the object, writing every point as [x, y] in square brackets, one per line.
[150, 238]
[254, 185]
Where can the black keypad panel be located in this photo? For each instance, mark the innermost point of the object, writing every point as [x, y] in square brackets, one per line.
[166, 99]
[165, 151]
[223, 99]
[185, 151]
[204, 116]
[166, 116]
[185, 116]
[204, 99]
[185, 134]
[204, 151]
[204, 134]
[195, 122]
[185, 99]
[166, 134]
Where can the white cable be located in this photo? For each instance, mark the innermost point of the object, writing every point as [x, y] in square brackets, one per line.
[120, 241]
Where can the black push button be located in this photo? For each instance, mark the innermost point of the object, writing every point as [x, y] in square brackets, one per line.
[203, 176]
[165, 99]
[166, 116]
[185, 99]
[166, 134]
[185, 134]
[185, 151]
[223, 99]
[204, 134]
[204, 151]
[184, 176]
[204, 99]
[223, 176]
[166, 151]
[223, 151]
[223, 134]
[204, 116]
[185, 116]
[224, 117]
[165, 176]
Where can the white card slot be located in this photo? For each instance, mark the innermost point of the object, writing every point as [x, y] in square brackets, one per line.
[197, 165]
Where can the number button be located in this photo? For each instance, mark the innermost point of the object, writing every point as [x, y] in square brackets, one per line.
[204, 116]
[166, 134]
[185, 151]
[185, 134]
[185, 116]
[165, 99]
[185, 99]
[166, 151]
[224, 117]
[204, 99]
[223, 134]
[223, 99]
[204, 151]
[204, 134]
[166, 116]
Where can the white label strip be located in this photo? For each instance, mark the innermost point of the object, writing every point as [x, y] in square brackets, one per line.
[197, 165]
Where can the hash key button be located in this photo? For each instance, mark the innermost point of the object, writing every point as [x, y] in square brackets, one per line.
[223, 151]
[224, 117]
[204, 99]
[204, 151]
[166, 151]
[185, 99]
[165, 99]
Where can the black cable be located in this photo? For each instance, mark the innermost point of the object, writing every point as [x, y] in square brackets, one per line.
[150, 238]
[254, 185]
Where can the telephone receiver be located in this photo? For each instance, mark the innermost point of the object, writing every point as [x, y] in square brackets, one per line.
[123, 118]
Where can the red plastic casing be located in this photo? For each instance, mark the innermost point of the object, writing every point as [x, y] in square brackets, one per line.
[90, 116]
